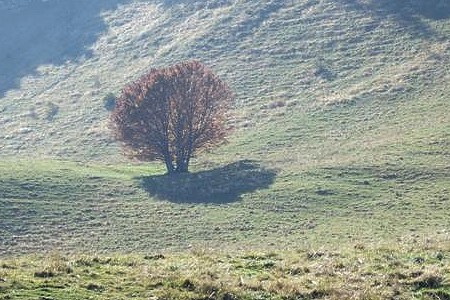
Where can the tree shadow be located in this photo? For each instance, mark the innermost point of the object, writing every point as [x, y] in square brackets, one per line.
[220, 185]
[407, 13]
[47, 32]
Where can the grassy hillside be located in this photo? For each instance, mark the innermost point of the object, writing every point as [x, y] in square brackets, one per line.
[304, 54]
[335, 183]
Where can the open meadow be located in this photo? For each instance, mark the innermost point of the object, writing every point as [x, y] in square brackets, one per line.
[334, 183]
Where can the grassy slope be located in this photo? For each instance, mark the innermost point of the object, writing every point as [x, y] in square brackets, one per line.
[305, 53]
[357, 156]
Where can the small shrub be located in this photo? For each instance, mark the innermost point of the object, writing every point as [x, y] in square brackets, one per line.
[428, 281]
[7, 266]
[109, 102]
[359, 246]
[94, 287]
[188, 285]
[228, 296]
[154, 257]
[274, 104]
[44, 274]
[51, 111]
[314, 255]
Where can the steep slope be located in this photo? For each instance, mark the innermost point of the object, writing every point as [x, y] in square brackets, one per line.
[286, 60]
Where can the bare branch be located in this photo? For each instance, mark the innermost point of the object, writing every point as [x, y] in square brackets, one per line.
[170, 114]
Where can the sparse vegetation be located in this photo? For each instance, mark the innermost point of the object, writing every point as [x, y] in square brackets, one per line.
[374, 273]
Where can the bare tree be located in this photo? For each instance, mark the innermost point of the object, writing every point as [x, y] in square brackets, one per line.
[172, 113]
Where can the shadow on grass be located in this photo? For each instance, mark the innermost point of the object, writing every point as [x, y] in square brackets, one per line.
[37, 33]
[220, 185]
[407, 13]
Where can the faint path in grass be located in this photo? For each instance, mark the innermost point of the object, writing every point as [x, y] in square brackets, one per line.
[217, 186]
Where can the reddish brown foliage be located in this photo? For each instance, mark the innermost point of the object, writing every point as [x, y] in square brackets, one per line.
[170, 114]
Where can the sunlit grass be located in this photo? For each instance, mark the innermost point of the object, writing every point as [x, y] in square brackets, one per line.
[334, 183]
[403, 271]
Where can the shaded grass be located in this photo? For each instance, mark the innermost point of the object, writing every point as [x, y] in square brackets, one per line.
[46, 204]
[219, 185]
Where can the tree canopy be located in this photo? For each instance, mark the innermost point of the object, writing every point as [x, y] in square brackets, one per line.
[172, 113]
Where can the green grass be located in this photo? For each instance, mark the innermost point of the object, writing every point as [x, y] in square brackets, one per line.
[402, 271]
[334, 185]
[371, 174]
[308, 54]
[340, 181]
[339, 201]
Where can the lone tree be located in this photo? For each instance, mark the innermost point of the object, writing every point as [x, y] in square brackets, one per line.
[171, 114]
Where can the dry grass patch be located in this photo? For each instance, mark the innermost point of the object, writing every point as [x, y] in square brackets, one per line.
[404, 272]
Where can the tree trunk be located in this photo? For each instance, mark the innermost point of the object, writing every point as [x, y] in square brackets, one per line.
[182, 166]
[169, 165]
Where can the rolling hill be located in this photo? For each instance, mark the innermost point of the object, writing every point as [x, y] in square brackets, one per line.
[340, 153]
[60, 60]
